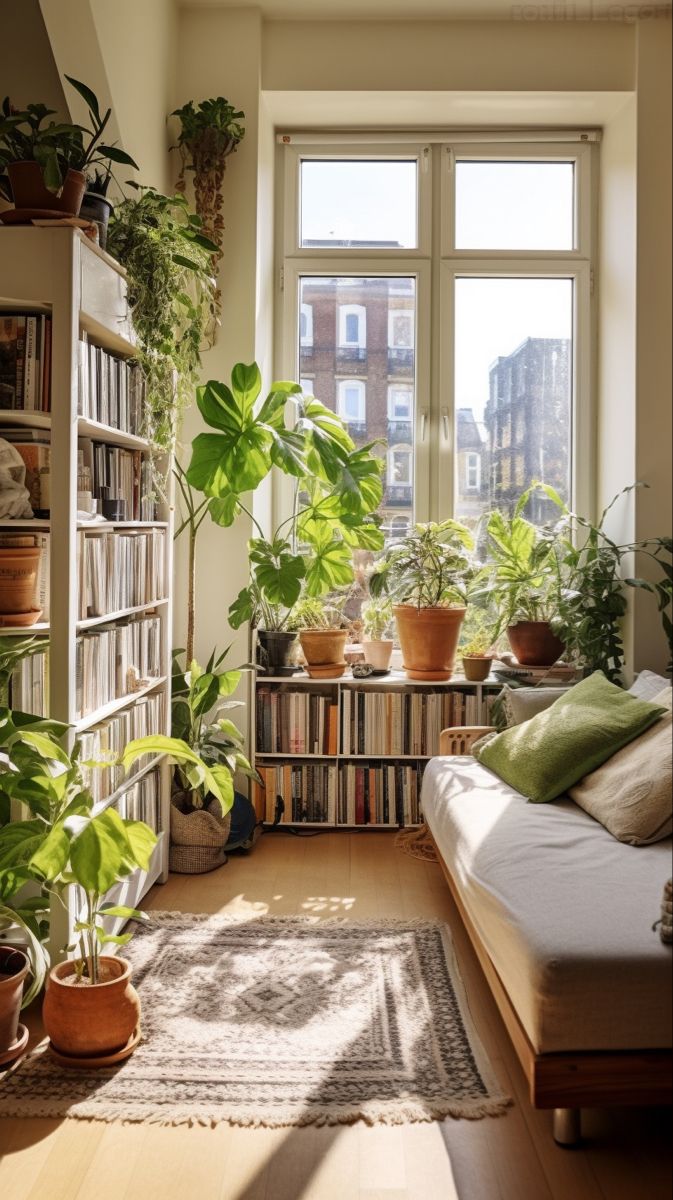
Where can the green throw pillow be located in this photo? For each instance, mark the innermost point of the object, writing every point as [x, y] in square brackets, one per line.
[545, 756]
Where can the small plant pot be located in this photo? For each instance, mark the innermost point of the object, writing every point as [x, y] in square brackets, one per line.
[97, 209]
[14, 967]
[275, 651]
[29, 191]
[323, 647]
[477, 667]
[428, 637]
[198, 836]
[378, 652]
[534, 644]
[18, 578]
[86, 1020]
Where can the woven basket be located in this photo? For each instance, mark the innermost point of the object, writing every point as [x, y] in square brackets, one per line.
[198, 837]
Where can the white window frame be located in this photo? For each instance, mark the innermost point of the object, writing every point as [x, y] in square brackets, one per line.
[360, 386]
[407, 390]
[307, 338]
[472, 465]
[408, 449]
[393, 316]
[344, 311]
[436, 257]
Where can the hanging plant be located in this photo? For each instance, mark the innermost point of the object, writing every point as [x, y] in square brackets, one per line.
[209, 133]
[171, 291]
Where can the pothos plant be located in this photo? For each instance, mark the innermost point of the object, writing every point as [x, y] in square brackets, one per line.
[167, 258]
[337, 489]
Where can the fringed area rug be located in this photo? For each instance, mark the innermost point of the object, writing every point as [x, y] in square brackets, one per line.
[281, 1021]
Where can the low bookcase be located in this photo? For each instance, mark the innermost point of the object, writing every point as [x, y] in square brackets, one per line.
[351, 752]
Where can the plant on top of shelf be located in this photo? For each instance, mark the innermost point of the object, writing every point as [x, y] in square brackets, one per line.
[160, 243]
[46, 164]
[377, 642]
[200, 821]
[478, 637]
[427, 574]
[209, 133]
[337, 489]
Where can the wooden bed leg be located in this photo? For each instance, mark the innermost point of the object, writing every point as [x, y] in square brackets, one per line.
[567, 1127]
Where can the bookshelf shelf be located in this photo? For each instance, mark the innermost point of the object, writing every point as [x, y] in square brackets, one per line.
[72, 293]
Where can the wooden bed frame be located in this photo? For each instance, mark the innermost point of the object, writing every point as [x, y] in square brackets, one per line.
[564, 1082]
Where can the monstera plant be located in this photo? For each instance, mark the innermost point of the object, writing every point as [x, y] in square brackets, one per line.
[337, 489]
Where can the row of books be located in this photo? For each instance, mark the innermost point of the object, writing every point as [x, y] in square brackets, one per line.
[119, 570]
[402, 722]
[25, 362]
[29, 685]
[388, 794]
[142, 802]
[119, 474]
[116, 660]
[110, 389]
[292, 722]
[27, 540]
[103, 743]
[304, 793]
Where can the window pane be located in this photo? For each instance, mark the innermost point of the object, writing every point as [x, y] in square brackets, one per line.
[515, 206]
[513, 388]
[369, 382]
[358, 203]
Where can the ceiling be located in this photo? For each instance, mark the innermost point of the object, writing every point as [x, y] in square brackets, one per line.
[413, 10]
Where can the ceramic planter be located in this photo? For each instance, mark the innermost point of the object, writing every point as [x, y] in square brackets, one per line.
[378, 652]
[28, 190]
[534, 644]
[275, 651]
[477, 667]
[91, 1020]
[14, 967]
[323, 649]
[18, 578]
[97, 209]
[428, 637]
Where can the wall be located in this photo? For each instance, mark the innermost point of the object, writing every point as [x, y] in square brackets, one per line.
[27, 69]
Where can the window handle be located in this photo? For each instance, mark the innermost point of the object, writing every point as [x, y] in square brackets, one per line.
[424, 422]
[445, 423]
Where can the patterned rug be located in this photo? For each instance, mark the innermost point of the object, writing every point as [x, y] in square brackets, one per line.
[281, 1021]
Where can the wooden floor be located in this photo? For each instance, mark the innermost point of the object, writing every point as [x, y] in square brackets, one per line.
[512, 1157]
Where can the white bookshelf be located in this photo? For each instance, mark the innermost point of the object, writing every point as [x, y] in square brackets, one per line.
[336, 689]
[59, 272]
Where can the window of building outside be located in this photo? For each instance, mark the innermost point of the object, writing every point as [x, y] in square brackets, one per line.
[480, 386]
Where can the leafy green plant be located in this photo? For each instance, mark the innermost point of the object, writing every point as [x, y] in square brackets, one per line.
[377, 619]
[320, 612]
[428, 568]
[58, 147]
[523, 571]
[161, 244]
[337, 489]
[200, 698]
[12, 651]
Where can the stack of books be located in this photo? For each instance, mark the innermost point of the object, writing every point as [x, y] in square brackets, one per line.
[307, 793]
[110, 389]
[296, 722]
[101, 745]
[402, 722]
[388, 794]
[114, 661]
[29, 685]
[119, 474]
[141, 802]
[119, 570]
[25, 362]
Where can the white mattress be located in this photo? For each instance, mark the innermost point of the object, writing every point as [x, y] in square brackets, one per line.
[564, 910]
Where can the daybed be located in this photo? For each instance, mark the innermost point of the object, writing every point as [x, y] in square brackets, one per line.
[560, 914]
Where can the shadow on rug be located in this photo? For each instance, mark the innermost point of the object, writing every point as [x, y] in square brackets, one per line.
[281, 1021]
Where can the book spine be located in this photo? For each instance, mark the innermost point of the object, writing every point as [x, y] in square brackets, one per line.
[31, 364]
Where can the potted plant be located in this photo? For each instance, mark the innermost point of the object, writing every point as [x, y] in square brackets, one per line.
[426, 575]
[377, 645]
[17, 964]
[323, 633]
[200, 819]
[18, 579]
[96, 206]
[46, 164]
[526, 583]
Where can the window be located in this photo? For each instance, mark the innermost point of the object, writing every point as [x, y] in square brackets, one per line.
[400, 404]
[352, 406]
[306, 325]
[399, 528]
[479, 385]
[352, 325]
[307, 386]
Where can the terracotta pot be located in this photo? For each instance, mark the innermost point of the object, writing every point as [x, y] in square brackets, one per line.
[477, 667]
[91, 1020]
[323, 647]
[428, 637]
[14, 967]
[378, 652]
[534, 644]
[18, 577]
[29, 191]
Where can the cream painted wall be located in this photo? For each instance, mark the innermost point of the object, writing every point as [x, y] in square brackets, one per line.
[27, 69]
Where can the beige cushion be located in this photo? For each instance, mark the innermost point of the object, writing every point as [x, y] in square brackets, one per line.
[520, 704]
[631, 793]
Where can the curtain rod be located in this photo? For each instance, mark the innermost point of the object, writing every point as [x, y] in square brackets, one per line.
[450, 136]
